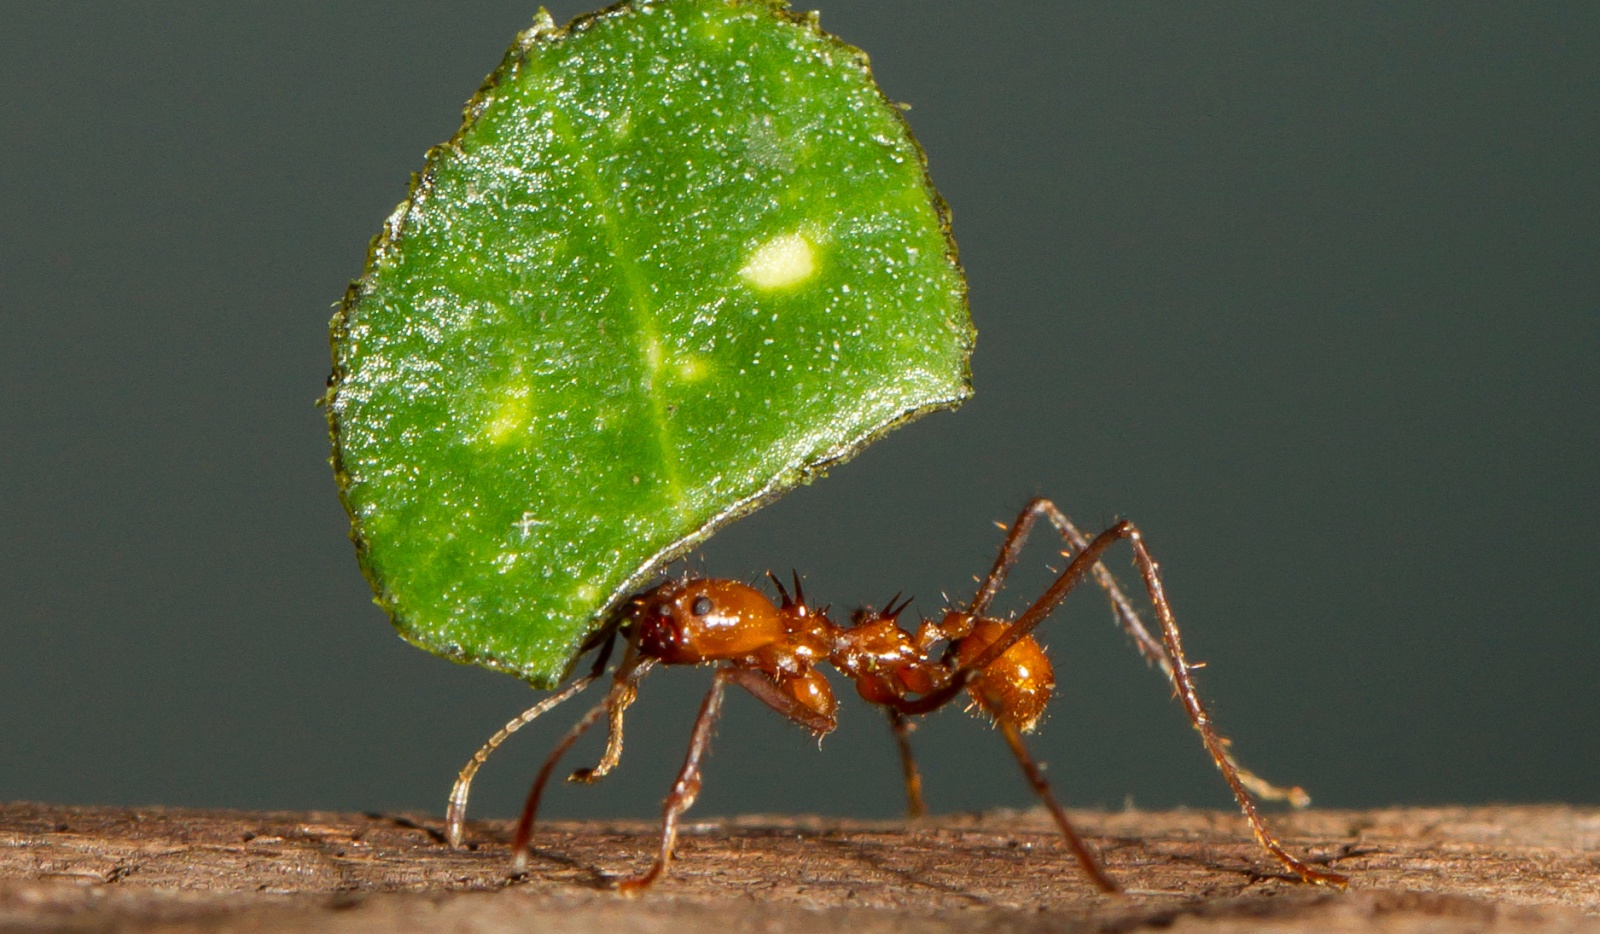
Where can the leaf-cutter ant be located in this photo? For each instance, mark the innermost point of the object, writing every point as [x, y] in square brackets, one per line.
[775, 652]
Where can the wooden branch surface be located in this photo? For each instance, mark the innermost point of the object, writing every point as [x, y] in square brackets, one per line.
[1436, 869]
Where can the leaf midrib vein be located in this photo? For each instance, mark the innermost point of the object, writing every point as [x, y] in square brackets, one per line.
[638, 293]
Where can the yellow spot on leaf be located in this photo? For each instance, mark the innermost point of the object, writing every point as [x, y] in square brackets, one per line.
[691, 369]
[511, 415]
[784, 261]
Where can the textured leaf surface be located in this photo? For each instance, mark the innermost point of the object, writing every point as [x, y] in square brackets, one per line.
[681, 256]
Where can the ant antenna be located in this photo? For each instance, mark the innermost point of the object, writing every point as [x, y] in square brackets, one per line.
[456, 815]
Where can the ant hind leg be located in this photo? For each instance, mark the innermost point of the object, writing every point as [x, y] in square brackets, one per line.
[1030, 768]
[1150, 647]
[1214, 742]
[1182, 676]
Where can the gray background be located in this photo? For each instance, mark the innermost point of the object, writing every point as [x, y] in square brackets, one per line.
[1307, 290]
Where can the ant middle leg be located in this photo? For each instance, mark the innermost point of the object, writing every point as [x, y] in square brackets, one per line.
[901, 726]
[687, 785]
[456, 813]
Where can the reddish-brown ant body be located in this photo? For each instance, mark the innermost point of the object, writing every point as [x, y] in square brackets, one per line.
[775, 652]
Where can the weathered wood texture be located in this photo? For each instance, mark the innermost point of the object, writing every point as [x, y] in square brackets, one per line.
[1414, 870]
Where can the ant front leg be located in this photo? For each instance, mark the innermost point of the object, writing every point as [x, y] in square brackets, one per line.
[624, 691]
[456, 813]
[1182, 676]
[626, 680]
[687, 786]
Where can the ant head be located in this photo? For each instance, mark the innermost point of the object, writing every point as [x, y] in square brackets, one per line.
[704, 619]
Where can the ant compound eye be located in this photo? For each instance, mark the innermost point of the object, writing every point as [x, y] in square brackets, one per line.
[701, 606]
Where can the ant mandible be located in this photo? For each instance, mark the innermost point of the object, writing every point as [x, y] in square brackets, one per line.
[774, 651]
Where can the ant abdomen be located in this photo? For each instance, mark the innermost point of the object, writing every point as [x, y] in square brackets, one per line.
[1013, 688]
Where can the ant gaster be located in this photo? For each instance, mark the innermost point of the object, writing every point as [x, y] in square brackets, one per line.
[775, 652]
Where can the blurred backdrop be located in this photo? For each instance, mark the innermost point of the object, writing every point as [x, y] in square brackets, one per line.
[1309, 291]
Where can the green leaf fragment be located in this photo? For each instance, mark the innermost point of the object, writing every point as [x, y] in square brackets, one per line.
[681, 256]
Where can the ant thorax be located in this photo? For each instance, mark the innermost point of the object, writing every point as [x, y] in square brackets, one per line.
[884, 660]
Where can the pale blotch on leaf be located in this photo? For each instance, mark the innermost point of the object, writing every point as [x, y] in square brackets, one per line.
[511, 413]
[691, 369]
[782, 262]
[713, 29]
